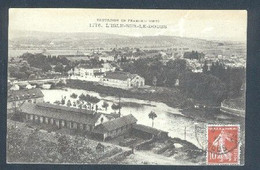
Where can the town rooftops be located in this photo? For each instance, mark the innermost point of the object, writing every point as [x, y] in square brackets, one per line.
[115, 124]
[16, 95]
[119, 75]
[62, 114]
[147, 129]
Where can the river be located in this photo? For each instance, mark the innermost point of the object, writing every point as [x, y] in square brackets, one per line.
[168, 119]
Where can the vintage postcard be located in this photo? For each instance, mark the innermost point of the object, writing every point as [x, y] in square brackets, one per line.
[126, 86]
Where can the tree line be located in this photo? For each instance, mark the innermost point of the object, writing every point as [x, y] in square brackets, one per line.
[214, 85]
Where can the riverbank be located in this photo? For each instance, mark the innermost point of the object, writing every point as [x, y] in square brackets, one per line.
[170, 96]
[215, 116]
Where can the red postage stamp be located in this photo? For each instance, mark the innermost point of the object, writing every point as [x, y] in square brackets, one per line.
[223, 144]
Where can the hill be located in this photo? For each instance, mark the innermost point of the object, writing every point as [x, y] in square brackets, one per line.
[59, 41]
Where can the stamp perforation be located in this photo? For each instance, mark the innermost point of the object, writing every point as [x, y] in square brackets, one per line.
[237, 146]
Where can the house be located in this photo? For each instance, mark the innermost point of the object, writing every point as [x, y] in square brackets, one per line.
[29, 86]
[147, 132]
[106, 58]
[124, 80]
[91, 73]
[87, 72]
[24, 85]
[114, 128]
[17, 97]
[62, 116]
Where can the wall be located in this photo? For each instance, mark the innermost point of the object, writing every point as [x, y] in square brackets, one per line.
[138, 82]
[116, 83]
[141, 134]
[57, 122]
[119, 131]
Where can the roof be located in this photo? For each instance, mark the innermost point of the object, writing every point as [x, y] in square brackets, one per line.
[116, 123]
[64, 108]
[99, 145]
[16, 95]
[119, 75]
[147, 129]
[114, 65]
[111, 115]
[64, 113]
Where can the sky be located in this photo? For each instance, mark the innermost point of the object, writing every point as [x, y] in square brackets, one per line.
[206, 24]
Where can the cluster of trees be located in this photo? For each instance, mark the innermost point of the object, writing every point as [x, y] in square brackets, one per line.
[93, 62]
[116, 107]
[43, 62]
[105, 105]
[153, 68]
[233, 78]
[193, 55]
[88, 98]
[38, 61]
[22, 72]
[91, 100]
[204, 87]
[73, 95]
[53, 60]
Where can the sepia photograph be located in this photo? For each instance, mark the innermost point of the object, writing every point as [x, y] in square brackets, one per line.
[126, 86]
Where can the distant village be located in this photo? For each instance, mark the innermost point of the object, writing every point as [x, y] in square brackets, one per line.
[108, 66]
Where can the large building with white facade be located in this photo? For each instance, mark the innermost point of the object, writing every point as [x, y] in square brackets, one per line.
[90, 73]
[124, 80]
